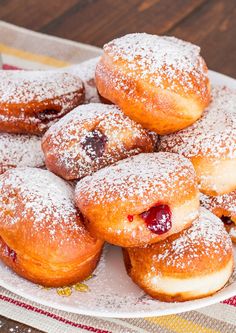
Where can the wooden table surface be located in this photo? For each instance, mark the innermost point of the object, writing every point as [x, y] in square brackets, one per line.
[208, 23]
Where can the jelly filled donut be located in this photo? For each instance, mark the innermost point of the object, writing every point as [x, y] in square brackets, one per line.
[91, 137]
[19, 150]
[159, 81]
[210, 143]
[192, 264]
[142, 199]
[30, 101]
[223, 206]
[42, 237]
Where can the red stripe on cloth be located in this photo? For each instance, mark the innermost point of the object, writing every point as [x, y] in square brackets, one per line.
[6, 66]
[231, 301]
[51, 315]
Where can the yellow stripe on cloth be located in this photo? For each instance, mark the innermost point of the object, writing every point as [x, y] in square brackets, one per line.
[32, 57]
[178, 324]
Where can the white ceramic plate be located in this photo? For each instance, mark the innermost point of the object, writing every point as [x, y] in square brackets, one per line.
[111, 292]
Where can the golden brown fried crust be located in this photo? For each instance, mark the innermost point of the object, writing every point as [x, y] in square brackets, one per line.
[37, 121]
[231, 229]
[193, 253]
[210, 143]
[178, 297]
[157, 109]
[142, 259]
[122, 232]
[109, 219]
[43, 237]
[212, 174]
[65, 154]
[222, 205]
[48, 275]
[53, 266]
[37, 110]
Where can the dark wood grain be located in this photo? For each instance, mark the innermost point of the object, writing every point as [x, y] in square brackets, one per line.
[33, 14]
[213, 27]
[208, 23]
[97, 22]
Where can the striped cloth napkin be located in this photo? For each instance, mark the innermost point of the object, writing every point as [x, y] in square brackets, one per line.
[26, 49]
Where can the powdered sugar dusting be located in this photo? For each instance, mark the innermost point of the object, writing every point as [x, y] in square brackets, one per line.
[164, 61]
[85, 113]
[183, 250]
[38, 196]
[27, 86]
[232, 233]
[214, 135]
[64, 140]
[19, 151]
[225, 202]
[141, 175]
[64, 104]
[86, 71]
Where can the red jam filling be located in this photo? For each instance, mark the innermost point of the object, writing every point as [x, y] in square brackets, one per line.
[158, 219]
[47, 115]
[130, 218]
[94, 144]
[11, 253]
[226, 219]
[8, 252]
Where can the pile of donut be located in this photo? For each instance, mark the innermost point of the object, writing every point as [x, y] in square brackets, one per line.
[117, 149]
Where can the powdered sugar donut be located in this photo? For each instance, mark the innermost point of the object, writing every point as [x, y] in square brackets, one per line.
[192, 264]
[30, 101]
[223, 206]
[159, 81]
[142, 199]
[91, 137]
[42, 237]
[86, 71]
[210, 143]
[19, 150]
